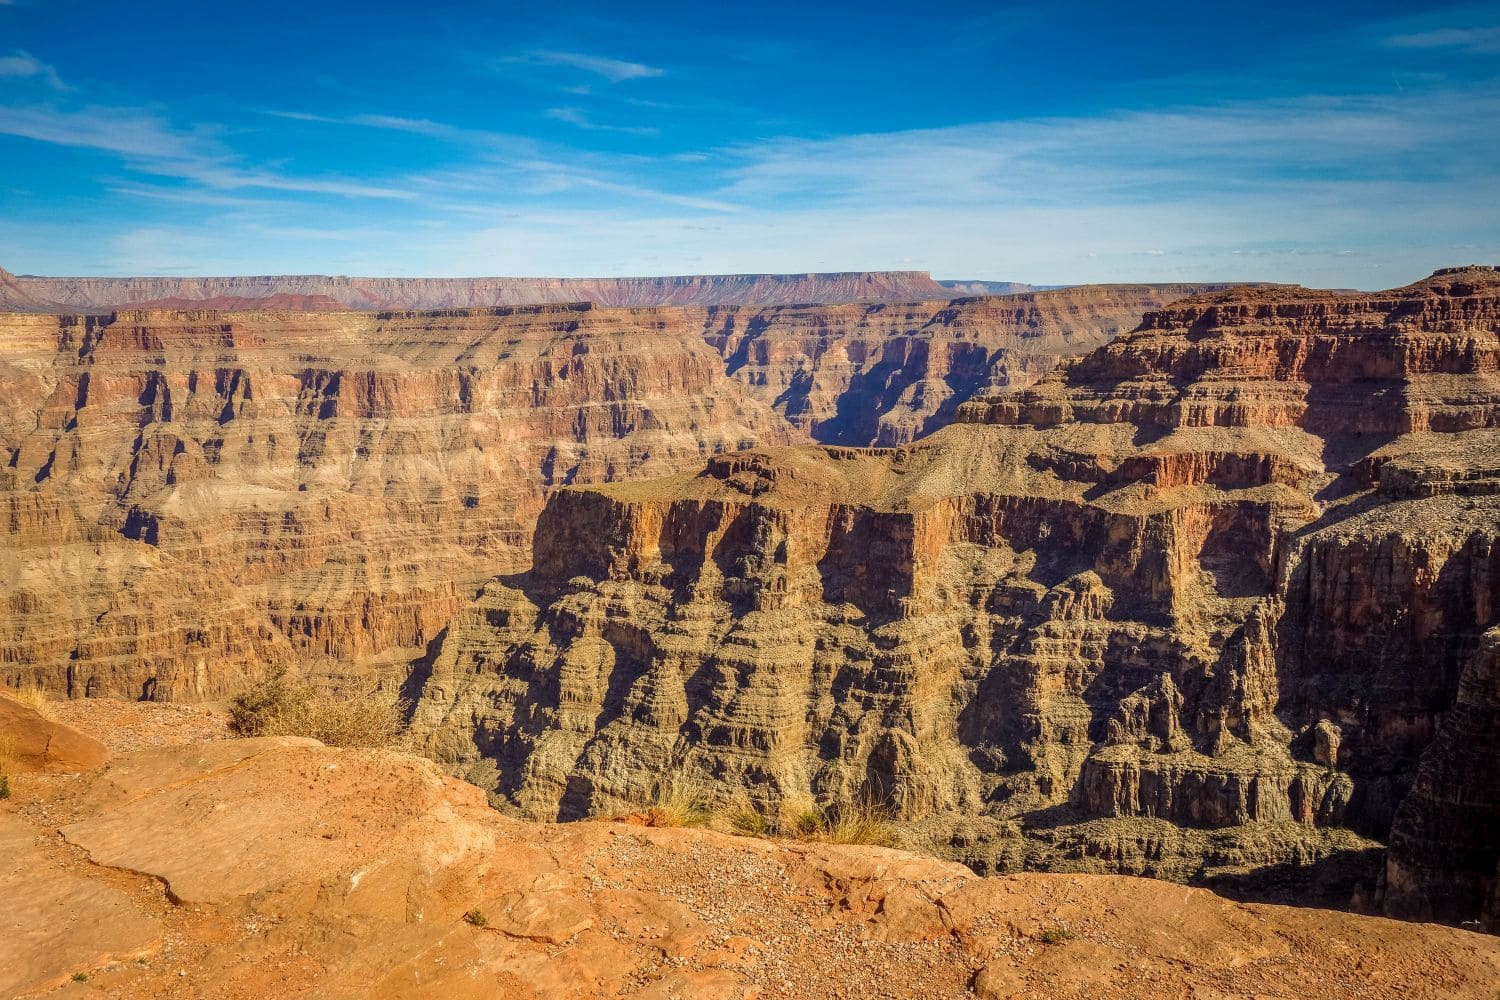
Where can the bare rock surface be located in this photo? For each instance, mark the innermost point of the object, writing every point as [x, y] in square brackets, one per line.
[1195, 605]
[251, 868]
[191, 496]
[37, 743]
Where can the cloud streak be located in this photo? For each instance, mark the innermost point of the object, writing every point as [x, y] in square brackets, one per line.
[147, 143]
[21, 64]
[613, 70]
[577, 116]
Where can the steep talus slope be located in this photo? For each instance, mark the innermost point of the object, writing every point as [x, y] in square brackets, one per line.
[1193, 606]
[191, 497]
[280, 867]
[886, 374]
[28, 293]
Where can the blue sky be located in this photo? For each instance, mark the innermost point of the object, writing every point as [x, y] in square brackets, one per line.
[1335, 144]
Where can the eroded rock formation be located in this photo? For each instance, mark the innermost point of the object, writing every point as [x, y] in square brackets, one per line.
[191, 496]
[1195, 605]
[885, 374]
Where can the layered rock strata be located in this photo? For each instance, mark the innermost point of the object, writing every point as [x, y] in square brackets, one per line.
[28, 292]
[190, 497]
[885, 374]
[193, 495]
[1195, 605]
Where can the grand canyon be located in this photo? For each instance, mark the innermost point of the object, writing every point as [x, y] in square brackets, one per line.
[1192, 582]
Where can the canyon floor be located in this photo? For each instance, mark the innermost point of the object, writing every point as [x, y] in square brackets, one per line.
[196, 865]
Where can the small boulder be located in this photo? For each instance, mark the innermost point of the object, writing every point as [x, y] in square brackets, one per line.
[39, 744]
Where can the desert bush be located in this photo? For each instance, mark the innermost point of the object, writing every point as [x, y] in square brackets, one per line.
[477, 918]
[282, 706]
[745, 820]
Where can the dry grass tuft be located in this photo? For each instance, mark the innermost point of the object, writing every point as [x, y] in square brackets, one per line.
[800, 817]
[675, 804]
[746, 821]
[280, 706]
[862, 822]
[7, 765]
[33, 697]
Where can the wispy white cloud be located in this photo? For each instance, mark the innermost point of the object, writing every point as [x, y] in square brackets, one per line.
[577, 116]
[23, 64]
[1480, 40]
[613, 70]
[149, 144]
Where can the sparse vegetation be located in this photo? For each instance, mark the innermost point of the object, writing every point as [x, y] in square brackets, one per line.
[675, 804]
[862, 822]
[33, 697]
[80, 977]
[7, 764]
[282, 706]
[801, 817]
[1059, 934]
[747, 821]
[477, 918]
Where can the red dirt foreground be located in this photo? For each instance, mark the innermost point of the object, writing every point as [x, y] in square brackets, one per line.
[280, 867]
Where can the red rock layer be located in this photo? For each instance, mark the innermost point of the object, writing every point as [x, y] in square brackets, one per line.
[191, 496]
[1192, 606]
[888, 373]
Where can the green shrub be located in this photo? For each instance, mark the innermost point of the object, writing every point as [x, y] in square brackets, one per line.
[1055, 935]
[477, 918]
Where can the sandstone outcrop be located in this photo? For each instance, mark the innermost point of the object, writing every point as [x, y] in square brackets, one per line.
[32, 742]
[1195, 605]
[251, 868]
[31, 293]
[191, 496]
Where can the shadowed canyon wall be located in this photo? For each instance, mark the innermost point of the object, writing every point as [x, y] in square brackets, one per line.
[1215, 602]
[191, 496]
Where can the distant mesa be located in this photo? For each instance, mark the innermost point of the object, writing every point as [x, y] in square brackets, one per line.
[31, 293]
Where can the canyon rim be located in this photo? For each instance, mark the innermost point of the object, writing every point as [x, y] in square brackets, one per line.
[676, 502]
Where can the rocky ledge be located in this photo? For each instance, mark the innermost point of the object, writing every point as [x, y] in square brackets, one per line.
[280, 867]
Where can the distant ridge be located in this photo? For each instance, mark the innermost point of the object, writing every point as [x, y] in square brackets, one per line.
[31, 293]
[976, 287]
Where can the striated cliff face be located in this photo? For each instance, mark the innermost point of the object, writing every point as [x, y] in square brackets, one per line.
[29, 293]
[191, 495]
[885, 374]
[1196, 606]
